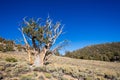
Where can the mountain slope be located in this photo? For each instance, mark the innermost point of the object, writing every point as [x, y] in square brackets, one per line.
[58, 68]
[104, 52]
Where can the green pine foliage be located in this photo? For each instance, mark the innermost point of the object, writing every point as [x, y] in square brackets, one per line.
[103, 52]
[37, 32]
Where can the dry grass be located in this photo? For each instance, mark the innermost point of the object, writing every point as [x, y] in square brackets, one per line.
[59, 68]
[16, 55]
[87, 67]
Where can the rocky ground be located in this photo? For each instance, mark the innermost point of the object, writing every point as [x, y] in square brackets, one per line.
[14, 66]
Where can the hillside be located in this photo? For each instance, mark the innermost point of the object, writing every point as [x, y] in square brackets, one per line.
[14, 66]
[10, 45]
[103, 52]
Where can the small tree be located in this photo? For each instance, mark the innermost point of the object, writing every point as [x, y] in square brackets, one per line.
[41, 37]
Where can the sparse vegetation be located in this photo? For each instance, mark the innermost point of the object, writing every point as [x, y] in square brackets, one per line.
[48, 75]
[103, 52]
[11, 59]
[15, 66]
[6, 45]
[1, 48]
[60, 68]
[26, 77]
[20, 48]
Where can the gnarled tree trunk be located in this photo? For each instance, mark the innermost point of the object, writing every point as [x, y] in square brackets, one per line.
[39, 58]
[37, 61]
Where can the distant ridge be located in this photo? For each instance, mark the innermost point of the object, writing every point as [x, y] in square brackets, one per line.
[103, 52]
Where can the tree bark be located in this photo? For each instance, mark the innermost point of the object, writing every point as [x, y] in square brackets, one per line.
[34, 44]
[39, 58]
[37, 61]
[30, 57]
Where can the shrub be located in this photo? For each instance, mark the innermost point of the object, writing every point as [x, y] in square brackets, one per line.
[11, 59]
[63, 78]
[48, 75]
[6, 45]
[40, 69]
[8, 69]
[20, 47]
[20, 69]
[26, 77]
[41, 77]
[55, 74]
[50, 69]
[1, 47]
[9, 47]
[2, 68]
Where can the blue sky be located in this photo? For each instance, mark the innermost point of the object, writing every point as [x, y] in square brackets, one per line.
[86, 21]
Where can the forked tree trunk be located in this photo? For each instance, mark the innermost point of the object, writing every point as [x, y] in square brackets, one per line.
[39, 58]
[37, 61]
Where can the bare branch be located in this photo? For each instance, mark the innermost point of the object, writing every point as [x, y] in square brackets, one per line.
[19, 40]
[25, 40]
[60, 46]
[27, 46]
[60, 31]
[26, 22]
[56, 27]
[38, 20]
[48, 16]
[57, 35]
[49, 23]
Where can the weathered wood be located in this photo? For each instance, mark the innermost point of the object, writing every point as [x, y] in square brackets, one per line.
[40, 46]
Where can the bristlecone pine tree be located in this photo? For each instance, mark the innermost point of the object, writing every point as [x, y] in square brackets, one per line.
[41, 37]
